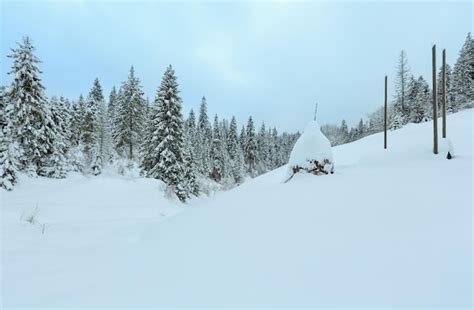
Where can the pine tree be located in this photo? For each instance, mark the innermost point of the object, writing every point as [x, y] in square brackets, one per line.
[275, 161]
[29, 115]
[217, 153]
[236, 156]
[204, 135]
[61, 125]
[113, 98]
[463, 74]
[420, 98]
[189, 158]
[262, 150]
[416, 114]
[8, 169]
[250, 154]
[190, 186]
[343, 133]
[450, 96]
[93, 130]
[401, 88]
[147, 151]
[168, 136]
[242, 138]
[129, 118]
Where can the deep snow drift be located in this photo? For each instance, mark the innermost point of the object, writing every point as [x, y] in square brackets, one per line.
[390, 228]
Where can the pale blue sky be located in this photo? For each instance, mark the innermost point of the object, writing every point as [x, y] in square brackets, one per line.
[272, 60]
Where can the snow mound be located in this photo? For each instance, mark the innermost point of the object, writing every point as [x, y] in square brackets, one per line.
[312, 152]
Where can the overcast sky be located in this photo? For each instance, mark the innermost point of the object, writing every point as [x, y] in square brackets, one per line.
[271, 60]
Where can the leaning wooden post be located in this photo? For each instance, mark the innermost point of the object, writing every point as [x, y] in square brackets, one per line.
[435, 105]
[443, 98]
[385, 117]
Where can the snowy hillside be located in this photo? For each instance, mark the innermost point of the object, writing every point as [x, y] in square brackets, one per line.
[389, 228]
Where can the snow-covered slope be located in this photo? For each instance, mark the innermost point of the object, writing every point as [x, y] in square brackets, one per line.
[390, 228]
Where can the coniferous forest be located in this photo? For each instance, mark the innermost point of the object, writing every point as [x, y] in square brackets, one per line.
[121, 130]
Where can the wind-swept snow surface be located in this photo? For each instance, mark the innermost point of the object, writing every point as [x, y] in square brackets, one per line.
[390, 228]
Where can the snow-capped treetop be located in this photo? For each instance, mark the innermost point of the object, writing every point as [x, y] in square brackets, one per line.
[311, 146]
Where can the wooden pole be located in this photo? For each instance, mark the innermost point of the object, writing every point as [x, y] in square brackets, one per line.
[385, 117]
[443, 98]
[435, 105]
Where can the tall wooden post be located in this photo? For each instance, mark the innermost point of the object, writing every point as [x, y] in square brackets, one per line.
[443, 98]
[385, 117]
[435, 105]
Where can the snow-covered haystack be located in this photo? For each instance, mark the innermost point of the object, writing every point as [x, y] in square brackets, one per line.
[312, 152]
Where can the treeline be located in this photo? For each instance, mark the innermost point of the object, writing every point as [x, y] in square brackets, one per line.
[412, 102]
[51, 137]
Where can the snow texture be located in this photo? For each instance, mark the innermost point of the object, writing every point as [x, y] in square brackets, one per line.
[390, 229]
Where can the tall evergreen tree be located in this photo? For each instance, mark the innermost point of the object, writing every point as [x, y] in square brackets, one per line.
[168, 136]
[189, 158]
[113, 98]
[8, 169]
[204, 135]
[61, 119]
[250, 154]
[93, 130]
[29, 114]
[129, 118]
[217, 153]
[234, 150]
[401, 88]
[463, 74]
[262, 149]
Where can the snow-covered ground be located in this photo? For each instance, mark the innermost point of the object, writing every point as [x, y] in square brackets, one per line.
[390, 228]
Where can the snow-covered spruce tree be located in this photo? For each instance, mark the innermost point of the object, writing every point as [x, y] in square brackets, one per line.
[93, 130]
[113, 98]
[343, 133]
[376, 120]
[61, 119]
[275, 150]
[149, 141]
[8, 169]
[395, 117]
[262, 150]
[449, 93]
[236, 156]
[217, 153]
[190, 186]
[250, 153]
[129, 118]
[424, 100]
[413, 90]
[111, 114]
[77, 112]
[401, 88]
[463, 74]
[190, 128]
[29, 114]
[242, 138]
[450, 96]
[203, 137]
[168, 136]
